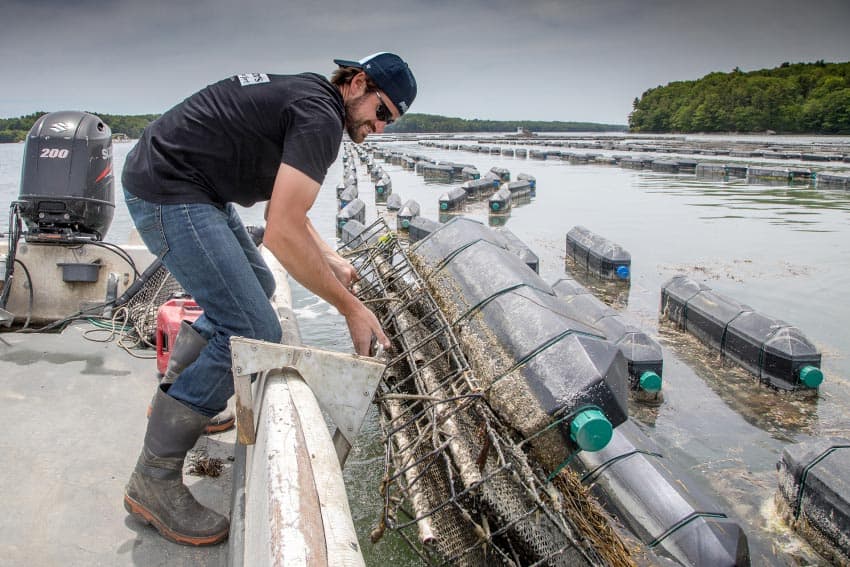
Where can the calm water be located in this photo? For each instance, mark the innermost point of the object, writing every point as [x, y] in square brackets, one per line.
[781, 250]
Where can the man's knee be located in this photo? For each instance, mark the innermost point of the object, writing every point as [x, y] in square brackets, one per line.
[268, 329]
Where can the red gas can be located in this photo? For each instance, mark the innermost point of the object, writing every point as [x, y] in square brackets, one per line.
[168, 319]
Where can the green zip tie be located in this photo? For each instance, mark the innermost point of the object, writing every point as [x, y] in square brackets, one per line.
[798, 505]
[561, 467]
[540, 349]
[682, 523]
[483, 303]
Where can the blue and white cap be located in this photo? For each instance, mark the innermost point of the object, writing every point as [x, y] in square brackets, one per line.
[391, 74]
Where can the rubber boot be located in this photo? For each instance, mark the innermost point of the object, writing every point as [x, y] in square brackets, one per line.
[156, 493]
[187, 347]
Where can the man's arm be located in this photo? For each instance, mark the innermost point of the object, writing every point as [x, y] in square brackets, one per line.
[290, 237]
[342, 268]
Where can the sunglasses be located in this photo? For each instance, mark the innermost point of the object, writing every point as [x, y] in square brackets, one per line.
[383, 113]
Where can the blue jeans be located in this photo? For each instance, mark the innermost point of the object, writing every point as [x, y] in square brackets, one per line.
[209, 252]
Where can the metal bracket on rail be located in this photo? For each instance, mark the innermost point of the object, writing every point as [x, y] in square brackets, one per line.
[344, 384]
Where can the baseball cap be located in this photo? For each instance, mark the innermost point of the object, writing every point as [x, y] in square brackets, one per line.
[391, 74]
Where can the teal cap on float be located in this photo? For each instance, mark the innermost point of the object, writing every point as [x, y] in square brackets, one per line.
[591, 430]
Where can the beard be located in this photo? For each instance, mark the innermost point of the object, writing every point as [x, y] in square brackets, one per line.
[354, 126]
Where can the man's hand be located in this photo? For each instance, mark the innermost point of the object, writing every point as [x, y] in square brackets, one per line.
[342, 269]
[290, 236]
[364, 326]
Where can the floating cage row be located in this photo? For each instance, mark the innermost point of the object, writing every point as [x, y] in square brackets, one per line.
[802, 152]
[551, 375]
[627, 473]
[756, 174]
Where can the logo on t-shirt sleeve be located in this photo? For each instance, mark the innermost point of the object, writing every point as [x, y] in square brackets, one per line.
[252, 79]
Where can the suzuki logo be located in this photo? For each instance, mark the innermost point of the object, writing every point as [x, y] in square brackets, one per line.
[60, 127]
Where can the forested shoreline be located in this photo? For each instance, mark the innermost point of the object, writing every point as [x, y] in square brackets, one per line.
[15, 129]
[427, 123]
[801, 98]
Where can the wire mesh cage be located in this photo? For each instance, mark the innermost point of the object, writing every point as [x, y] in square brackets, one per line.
[156, 286]
[459, 486]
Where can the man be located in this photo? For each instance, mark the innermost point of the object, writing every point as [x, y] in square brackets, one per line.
[242, 140]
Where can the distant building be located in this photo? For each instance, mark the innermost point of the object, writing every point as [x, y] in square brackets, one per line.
[522, 132]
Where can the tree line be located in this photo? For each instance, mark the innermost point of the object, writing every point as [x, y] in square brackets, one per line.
[800, 98]
[431, 123]
[16, 129]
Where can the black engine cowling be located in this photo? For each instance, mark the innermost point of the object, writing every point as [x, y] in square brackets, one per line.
[67, 181]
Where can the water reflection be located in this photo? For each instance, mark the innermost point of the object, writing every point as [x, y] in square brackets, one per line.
[782, 200]
[613, 292]
[783, 415]
[498, 220]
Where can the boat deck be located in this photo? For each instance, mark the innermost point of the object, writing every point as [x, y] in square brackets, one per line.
[74, 420]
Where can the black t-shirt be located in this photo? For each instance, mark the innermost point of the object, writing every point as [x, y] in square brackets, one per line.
[226, 142]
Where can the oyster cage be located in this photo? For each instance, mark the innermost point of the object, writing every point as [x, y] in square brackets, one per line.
[458, 487]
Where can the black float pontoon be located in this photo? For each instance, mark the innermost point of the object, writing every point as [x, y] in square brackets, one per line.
[814, 493]
[500, 201]
[383, 188]
[420, 227]
[776, 352]
[660, 504]
[479, 188]
[643, 354]
[356, 210]
[598, 254]
[408, 210]
[565, 365]
[394, 202]
[452, 200]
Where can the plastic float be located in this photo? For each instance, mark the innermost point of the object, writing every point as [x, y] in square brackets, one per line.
[774, 351]
[500, 201]
[833, 180]
[598, 254]
[482, 187]
[470, 172]
[463, 232]
[350, 233]
[530, 178]
[434, 172]
[520, 189]
[644, 355]
[408, 210]
[356, 210]
[564, 370]
[394, 202]
[420, 227]
[503, 174]
[521, 249]
[348, 195]
[383, 188]
[711, 170]
[452, 200]
[814, 494]
[661, 505]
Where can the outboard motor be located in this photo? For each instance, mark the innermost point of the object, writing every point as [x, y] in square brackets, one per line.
[67, 182]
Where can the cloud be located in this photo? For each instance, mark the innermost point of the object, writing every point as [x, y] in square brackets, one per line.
[539, 59]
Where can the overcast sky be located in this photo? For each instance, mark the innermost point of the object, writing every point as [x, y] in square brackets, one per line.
[490, 59]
